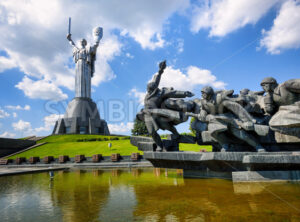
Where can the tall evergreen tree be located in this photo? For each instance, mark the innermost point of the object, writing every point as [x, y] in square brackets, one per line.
[139, 128]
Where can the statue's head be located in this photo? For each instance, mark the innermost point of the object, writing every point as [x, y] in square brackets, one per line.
[207, 92]
[244, 92]
[151, 87]
[269, 84]
[83, 43]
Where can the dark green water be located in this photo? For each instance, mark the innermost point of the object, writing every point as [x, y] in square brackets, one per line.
[143, 195]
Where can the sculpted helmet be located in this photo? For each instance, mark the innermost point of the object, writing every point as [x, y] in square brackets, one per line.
[244, 92]
[268, 80]
[208, 90]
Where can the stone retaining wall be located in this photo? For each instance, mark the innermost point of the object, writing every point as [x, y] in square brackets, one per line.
[9, 146]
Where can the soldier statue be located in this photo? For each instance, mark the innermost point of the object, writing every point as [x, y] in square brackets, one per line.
[154, 103]
[286, 93]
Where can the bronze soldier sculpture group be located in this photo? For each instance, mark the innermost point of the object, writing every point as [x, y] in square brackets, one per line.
[268, 120]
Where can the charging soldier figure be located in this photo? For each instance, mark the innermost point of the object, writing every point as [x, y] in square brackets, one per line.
[286, 93]
[154, 101]
[223, 115]
[282, 104]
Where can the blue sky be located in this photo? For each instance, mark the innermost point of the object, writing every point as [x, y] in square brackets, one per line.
[224, 43]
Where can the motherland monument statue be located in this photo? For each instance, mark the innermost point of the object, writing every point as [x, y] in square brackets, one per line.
[82, 114]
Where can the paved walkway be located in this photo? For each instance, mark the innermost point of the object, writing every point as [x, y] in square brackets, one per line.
[5, 171]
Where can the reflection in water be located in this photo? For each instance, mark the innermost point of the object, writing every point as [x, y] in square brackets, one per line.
[143, 195]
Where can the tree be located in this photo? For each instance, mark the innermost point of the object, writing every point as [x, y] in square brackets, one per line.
[191, 122]
[139, 128]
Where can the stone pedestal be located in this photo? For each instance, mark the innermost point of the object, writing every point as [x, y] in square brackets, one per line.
[81, 117]
[238, 166]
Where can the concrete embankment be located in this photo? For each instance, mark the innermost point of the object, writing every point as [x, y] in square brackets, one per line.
[12, 169]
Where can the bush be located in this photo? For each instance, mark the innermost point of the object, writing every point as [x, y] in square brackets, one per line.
[125, 138]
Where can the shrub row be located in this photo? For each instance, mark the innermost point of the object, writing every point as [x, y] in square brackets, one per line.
[103, 139]
[183, 134]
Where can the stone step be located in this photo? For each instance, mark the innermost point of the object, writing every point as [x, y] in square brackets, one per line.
[183, 138]
[5, 161]
[134, 140]
[146, 146]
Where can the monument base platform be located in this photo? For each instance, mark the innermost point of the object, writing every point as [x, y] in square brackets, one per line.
[266, 176]
[238, 166]
[81, 117]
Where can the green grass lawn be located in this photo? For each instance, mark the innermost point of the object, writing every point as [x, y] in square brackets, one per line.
[194, 147]
[69, 145]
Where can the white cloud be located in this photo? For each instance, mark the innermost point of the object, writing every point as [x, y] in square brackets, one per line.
[143, 20]
[41, 89]
[120, 128]
[18, 107]
[128, 55]
[285, 32]
[175, 78]
[108, 49]
[224, 16]
[49, 122]
[22, 126]
[33, 34]
[6, 63]
[180, 45]
[26, 129]
[7, 135]
[193, 77]
[15, 115]
[144, 38]
[137, 94]
[3, 114]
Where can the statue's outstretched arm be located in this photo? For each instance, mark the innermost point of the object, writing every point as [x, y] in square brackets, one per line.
[97, 34]
[178, 94]
[96, 44]
[201, 115]
[157, 77]
[71, 41]
[94, 48]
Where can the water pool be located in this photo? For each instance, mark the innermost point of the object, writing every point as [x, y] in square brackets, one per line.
[145, 194]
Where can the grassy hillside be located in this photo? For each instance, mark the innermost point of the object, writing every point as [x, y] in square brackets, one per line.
[88, 145]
